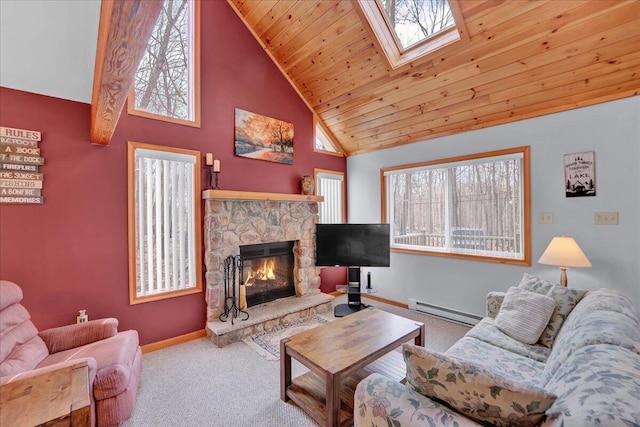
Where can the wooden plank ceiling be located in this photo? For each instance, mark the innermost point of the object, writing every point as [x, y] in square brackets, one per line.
[521, 59]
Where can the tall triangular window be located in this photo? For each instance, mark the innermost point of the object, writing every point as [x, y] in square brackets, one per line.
[323, 143]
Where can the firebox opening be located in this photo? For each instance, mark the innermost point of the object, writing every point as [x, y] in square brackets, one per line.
[267, 272]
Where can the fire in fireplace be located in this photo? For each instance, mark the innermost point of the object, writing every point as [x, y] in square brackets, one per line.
[268, 272]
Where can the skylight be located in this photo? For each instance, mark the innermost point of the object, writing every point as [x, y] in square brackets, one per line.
[414, 21]
[409, 29]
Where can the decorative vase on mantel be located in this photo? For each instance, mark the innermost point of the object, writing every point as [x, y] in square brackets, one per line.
[307, 185]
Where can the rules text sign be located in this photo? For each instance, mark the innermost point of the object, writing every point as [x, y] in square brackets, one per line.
[20, 158]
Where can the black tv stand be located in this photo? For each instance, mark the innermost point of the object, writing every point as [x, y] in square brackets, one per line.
[342, 310]
[354, 302]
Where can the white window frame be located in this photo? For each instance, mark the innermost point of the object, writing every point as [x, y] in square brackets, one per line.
[155, 203]
[330, 184]
[450, 248]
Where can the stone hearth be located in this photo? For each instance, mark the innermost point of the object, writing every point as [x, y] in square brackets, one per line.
[235, 218]
[266, 316]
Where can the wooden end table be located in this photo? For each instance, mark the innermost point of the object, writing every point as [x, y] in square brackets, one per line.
[339, 355]
[55, 398]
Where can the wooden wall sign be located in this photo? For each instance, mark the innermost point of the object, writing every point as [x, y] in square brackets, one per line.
[580, 174]
[20, 157]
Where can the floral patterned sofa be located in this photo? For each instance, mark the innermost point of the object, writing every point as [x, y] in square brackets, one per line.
[587, 374]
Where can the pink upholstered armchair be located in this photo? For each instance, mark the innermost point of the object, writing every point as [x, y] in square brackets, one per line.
[114, 358]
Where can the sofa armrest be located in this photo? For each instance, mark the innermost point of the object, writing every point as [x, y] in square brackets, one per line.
[380, 401]
[494, 302]
[72, 336]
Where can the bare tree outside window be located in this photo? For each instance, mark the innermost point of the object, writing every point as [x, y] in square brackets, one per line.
[474, 208]
[416, 20]
[164, 80]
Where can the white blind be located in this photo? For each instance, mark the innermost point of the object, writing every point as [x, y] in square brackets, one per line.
[165, 222]
[331, 187]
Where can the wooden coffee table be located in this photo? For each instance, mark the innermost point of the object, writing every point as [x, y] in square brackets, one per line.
[340, 354]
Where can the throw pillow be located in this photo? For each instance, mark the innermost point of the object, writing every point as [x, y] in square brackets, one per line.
[524, 315]
[473, 390]
[566, 299]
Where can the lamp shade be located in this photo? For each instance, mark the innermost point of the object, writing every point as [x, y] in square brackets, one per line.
[564, 252]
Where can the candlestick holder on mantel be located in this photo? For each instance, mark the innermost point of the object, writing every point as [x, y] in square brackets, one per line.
[213, 181]
[214, 171]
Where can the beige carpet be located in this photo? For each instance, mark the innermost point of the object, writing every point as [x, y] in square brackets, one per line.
[198, 384]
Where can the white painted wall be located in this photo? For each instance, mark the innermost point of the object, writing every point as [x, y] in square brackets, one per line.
[610, 129]
[49, 47]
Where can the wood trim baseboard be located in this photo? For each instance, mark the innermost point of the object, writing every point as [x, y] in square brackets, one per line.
[148, 348]
[375, 298]
[385, 300]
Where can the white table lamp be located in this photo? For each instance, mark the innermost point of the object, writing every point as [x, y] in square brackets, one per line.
[564, 252]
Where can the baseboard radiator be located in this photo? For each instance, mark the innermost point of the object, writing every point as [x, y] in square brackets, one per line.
[443, 312]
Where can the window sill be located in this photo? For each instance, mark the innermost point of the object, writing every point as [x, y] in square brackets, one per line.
[510, 261]
[133, 300]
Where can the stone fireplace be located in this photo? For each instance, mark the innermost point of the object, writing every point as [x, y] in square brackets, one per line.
[240, 223]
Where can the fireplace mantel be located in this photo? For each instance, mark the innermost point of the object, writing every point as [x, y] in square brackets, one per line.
[252, 195]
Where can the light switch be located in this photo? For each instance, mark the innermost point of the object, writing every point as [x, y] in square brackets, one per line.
[605, 218]
[545, 218]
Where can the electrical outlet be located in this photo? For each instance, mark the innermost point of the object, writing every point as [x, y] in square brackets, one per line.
[545, 218]
[605, 218]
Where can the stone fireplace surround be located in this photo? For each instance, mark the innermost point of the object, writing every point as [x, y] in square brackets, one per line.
[234, 218]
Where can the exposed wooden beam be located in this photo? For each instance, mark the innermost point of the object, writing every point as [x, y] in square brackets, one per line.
[123, 33]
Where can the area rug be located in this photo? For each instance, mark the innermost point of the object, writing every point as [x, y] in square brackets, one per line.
[267, 343]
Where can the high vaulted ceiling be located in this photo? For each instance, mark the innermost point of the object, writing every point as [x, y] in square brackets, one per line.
[518, 59]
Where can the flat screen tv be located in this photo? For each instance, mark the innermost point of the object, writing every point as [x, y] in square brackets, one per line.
[361, 245]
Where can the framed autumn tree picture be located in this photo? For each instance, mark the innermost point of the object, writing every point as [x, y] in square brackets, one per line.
[263, 138]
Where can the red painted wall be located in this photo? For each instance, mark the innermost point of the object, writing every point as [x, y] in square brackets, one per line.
[332, 276]
[71, 252]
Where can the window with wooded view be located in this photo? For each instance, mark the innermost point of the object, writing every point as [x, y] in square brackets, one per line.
[414, 21]
[167, 82]
[473, 206]
[406, 30]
